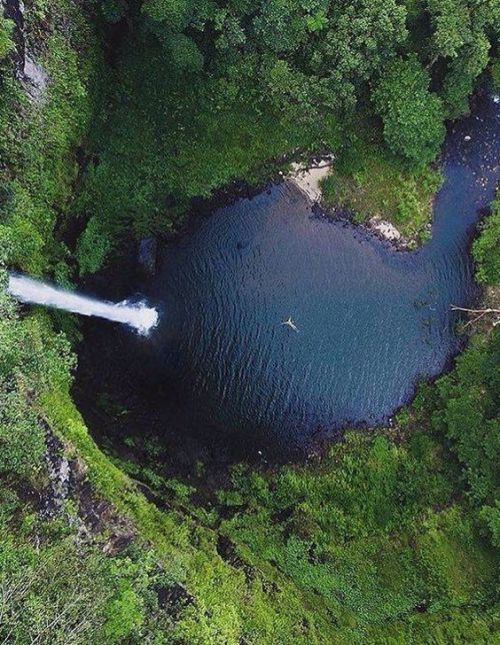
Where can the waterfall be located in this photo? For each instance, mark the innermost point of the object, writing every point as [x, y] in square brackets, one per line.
[137, 315]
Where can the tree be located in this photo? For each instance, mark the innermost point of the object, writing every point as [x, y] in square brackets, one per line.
[462, 31]
[92, 247]
[412, 115]
[280, 25]
[184, 54]
[459, 82]
[360, 37]
[167, 19]
[173, 14]
[451, 23]
[485, 249]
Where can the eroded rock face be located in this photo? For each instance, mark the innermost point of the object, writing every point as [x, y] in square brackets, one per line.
[34, 79]
[14, 10]
[68, 484]
[27, 69]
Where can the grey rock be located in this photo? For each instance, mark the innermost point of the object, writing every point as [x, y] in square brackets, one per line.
[27, 70]
[14, 10]
[35, 78]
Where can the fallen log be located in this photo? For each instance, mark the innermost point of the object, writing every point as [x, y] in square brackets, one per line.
[478, 313]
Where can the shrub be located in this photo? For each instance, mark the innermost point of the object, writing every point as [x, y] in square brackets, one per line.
[92, 248]
[6, 43]
[485, 248]
[21, 435]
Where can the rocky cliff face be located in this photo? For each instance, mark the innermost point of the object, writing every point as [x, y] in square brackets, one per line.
[68, 487]
[27, 68]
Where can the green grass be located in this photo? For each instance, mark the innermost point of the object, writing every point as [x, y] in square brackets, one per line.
[368, 181]
[362, 531]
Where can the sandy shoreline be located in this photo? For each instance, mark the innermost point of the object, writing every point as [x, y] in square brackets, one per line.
[307, 177]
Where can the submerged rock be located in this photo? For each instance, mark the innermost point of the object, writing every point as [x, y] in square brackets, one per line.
[148, 250]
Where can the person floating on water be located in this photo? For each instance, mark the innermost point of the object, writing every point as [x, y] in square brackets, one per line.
[290, 324]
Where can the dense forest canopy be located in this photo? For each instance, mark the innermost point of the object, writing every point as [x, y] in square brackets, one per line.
[391, 535]
[217, 87]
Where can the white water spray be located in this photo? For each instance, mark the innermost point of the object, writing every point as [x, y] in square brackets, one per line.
[136, 315]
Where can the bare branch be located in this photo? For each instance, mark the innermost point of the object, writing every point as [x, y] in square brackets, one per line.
[478, 314]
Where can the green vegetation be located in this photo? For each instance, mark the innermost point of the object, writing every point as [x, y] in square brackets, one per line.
[485, 248]
[468, 415]
[386, 538]
[33, 360]
[58, 593]
[412, 116]
[6, 44]
[368, 181]
[361, 531]
[37, 143]
[461, 31]
[495, 73]
[207, 93]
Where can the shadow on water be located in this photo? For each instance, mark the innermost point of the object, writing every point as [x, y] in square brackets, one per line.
[222, 379]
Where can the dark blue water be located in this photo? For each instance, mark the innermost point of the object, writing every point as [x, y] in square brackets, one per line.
[372, 321]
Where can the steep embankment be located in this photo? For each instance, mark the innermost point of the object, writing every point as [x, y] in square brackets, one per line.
[383, 538]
